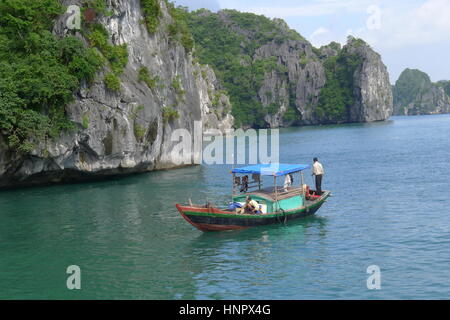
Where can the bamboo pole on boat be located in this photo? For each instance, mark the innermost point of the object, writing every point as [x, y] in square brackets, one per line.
[234, 177]
[234, 187]
[303, 189]
[276, 192]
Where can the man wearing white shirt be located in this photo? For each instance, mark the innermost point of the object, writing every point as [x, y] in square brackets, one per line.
[318, 172]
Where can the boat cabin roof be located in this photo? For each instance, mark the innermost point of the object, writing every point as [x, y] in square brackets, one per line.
[272, 169]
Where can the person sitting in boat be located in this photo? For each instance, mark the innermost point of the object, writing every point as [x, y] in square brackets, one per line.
[306, 192]
[244, 184]
[237, 182]
[251, 206]
[287, 182]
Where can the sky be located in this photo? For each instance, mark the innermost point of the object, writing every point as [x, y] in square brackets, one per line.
[407, 33]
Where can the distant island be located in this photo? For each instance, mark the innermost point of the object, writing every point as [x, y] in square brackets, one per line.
[416, 94]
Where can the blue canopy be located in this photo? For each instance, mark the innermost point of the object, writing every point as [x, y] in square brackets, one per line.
[273, 169]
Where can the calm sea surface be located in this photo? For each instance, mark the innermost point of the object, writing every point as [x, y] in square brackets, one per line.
[391, 208]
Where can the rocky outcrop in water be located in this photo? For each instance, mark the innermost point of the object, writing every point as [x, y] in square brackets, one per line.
[292, 83]
[372, 92]
[130, 130]
[415, 94]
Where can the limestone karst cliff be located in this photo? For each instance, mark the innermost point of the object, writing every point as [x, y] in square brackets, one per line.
[127, 128]
[276, 78]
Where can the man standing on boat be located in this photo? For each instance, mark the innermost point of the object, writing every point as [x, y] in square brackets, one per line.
[318, 172]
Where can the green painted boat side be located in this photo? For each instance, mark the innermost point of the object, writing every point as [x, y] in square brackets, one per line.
[248, 216]
[292, 203]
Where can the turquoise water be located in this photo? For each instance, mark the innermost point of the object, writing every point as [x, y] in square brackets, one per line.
[390, 208]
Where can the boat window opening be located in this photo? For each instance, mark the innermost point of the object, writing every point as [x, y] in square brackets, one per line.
[274, 190]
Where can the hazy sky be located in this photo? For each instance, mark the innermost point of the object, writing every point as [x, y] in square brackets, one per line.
[407, 33]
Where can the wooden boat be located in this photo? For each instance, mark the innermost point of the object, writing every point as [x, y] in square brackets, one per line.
[277, 204]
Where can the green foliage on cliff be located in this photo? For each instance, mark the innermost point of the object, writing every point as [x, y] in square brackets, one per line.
[112, 82]
[177, 86]
[333, 45]
[230, 54]
[139, 132]
[445, 85]
[262, 29]
[169, 114]
[179, 29]
[116, 55]
[337, 96]
[144, 76]
[85, 121]
[152, 12]
[100, 6]
[38, 72]
[21, 17]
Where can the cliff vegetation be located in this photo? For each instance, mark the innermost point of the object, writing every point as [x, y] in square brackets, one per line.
[39, 72]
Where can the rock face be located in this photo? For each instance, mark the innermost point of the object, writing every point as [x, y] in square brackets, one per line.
[372, 92]
[296, 73]
[415, 94]
[126, 131]
[373, 98]
[299, 87]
